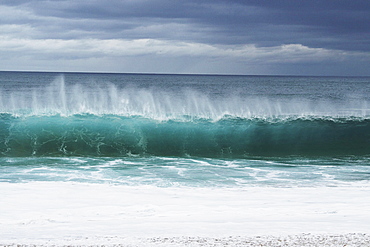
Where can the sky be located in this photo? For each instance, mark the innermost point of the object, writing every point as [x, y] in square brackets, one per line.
[252, 37]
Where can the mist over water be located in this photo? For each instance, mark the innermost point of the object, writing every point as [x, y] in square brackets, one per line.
[161, 101]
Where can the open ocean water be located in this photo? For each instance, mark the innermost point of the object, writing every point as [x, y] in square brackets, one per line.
[184, 130]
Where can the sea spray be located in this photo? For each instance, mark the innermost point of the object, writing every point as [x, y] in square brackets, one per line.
[60, 97]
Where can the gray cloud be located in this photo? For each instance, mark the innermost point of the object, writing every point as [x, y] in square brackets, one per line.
[314, 31]
[329, 24]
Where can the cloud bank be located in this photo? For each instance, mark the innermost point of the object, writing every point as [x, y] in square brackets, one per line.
[210, 36]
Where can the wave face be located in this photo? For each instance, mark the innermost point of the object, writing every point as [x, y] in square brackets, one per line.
[112, 135]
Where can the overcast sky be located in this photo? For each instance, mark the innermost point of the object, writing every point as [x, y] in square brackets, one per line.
[278, 37]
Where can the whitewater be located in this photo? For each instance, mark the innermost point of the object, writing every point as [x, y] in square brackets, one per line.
[174, 160]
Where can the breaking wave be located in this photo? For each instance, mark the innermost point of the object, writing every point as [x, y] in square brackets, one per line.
[107, 120]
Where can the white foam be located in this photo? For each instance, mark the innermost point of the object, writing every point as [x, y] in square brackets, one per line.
[40, 211]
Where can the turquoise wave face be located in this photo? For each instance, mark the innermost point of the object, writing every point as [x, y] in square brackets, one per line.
[229, 137]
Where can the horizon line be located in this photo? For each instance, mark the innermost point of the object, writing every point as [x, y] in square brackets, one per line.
[174, 74]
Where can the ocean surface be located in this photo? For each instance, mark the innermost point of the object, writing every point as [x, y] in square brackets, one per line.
[184, 130]
[89, 159]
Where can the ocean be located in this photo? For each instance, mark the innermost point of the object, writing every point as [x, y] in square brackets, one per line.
[143, 152]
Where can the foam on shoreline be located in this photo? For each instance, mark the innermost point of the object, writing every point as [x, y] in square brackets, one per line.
[350, 239]
[48, 213]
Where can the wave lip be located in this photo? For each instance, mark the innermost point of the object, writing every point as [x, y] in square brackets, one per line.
[229, 137]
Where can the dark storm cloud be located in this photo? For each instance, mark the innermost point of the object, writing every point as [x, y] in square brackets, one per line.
[330, 24]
